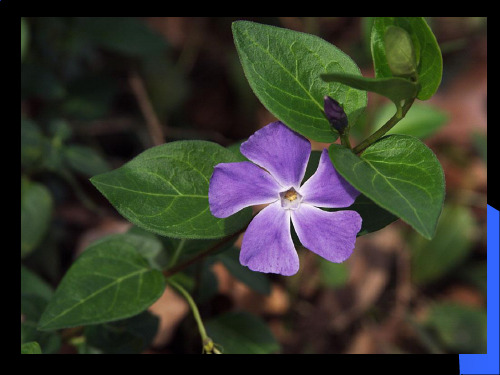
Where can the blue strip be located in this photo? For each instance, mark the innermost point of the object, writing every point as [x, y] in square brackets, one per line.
[488, 363]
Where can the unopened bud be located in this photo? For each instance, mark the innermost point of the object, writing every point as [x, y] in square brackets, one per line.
[335, 114]
[399, 52]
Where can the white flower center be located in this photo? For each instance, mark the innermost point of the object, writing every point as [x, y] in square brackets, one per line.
[290, 199]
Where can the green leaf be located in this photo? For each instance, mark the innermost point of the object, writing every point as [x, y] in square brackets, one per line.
[36, 214]
[400, 174]
[462, 329]
[151, 248]
[395, 88]
[50, 342]
[109, 281]
[33, 284]
[427, 51]
[85, 160]
[374, 217]
[432, 260]
[421, 120]
[165, 190]
[283, 67]
[129, 336]
[241, 333]
[257, 281]
[31, 348]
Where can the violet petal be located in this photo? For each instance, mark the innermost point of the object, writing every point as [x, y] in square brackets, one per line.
[280, 151]
[327, 188]
[234, 186]
[267, 244]
[331, 235]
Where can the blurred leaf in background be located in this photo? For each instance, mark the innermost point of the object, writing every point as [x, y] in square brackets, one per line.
[432, 260]
[240, 332]
[459, 328]
[36, 214]
[421, 121]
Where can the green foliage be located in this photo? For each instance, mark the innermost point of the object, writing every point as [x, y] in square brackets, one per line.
[283, 67]
[241, 333]
[432, 260]
[400, 174]
[426, 50]
[461, 329]
[128, 336]
[165, 190]
[31, 348]
[109, 281]
[421, 121]
[32, 144]
[36, 214]
[85, 160]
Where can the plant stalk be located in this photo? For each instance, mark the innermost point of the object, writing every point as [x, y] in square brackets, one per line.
[400, 114]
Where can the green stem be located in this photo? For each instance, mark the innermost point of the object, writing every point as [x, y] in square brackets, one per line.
[207, 343]
[177, 252]
[344, 140]
[400, 114]
[177, 268]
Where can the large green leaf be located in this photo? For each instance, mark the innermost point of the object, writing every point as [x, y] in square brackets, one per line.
[427, 51]
[36, 213]
[241, 333]
[165, 190]
[400, 174]
[283, 68]
[109, 281]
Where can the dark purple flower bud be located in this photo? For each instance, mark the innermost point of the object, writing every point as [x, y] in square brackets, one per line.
[335, 114]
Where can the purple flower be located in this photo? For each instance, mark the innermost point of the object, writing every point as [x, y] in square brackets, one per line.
[280, 156]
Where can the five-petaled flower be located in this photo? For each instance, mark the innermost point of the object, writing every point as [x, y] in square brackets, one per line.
[279, 158]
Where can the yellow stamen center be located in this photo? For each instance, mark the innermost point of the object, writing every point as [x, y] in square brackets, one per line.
[291, 195]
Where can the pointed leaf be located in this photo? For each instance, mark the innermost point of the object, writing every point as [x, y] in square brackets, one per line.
[109, 281]
[400, 174]
[283, 67]
[165, 190]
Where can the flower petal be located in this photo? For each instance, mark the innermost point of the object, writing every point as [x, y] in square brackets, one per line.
[279, 150]
[234, 186]
[267, 244]
[331, 235]
[327, 188]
